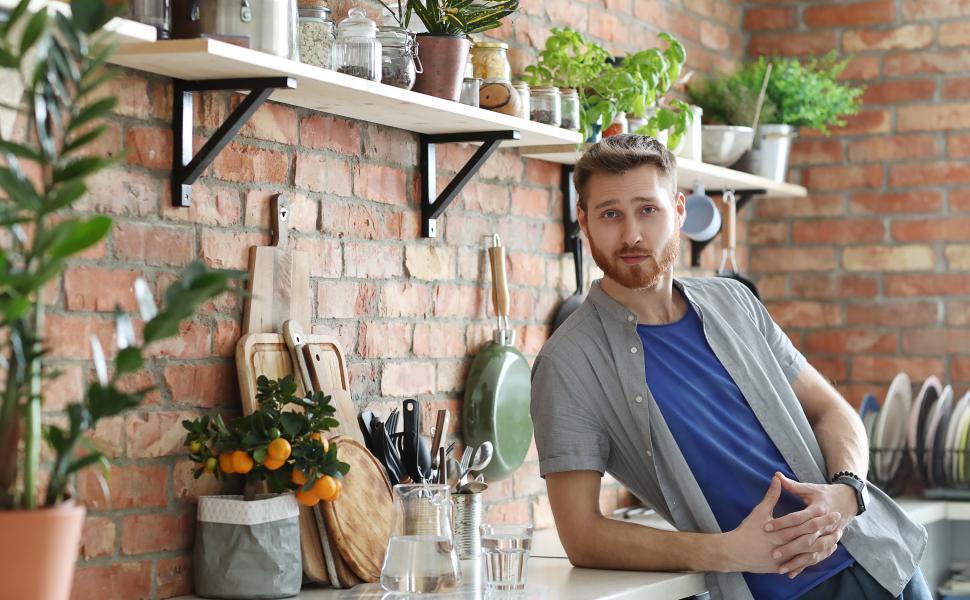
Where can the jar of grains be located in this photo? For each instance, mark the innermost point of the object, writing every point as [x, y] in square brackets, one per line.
[570, 109]
[316, 34]
[522, 88]
[491, 61]
[356, 51]
[398, 50]
[546, 106]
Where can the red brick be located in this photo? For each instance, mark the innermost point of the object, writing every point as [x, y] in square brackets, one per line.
[936, 341]
[215, 205]
[960, 200]
[958, 313]
[115, 581]
[530, 202]
[832, 287]
[324, 132]
[878, 368]
[326, 174]
[389, 145]
[541, 172]
[504, 164]
[384, 340]
[960, 369]
[67, 387]
[485, 197]
[888, 148]
[186, 488]
[926, 63]
[326, 255]
[816, 151]
[525, 269]
[108, 436]
[382, 184]
[842, 178]
[867, 122]
[792, 44]
[439, 340]
[92, 288]
[248, 164]
[888, 258]
[833, 369]
[895, 92]
[933, 9]
[155, 434]
[958, 146]
[928, 230]
[715, 36]
[894, 314]
[405, 299]
[522, 305]
[862, 68]
[955, 34]
[937, 173]
[516, 511]
[120, 192]
[792, 259]
[154, 244]
[815, 205]
[922, 201]
[130, 486]
[66, 336]
[553, 238]
[849, 341]
[457, 301]
[941, 284]
[939, 117]
[174, 577]
[956, 88]
[842, 14]
[303, 210]
[142, 534]
[206, 386]
[370, 260]
[769, 17]
[407, 379]
[837, 231]
[193, 341]
[609, 27]
[521, 235]
[149, 147]
[272, 121]
[98, 537]
[132, 93]
[344, 299]
[907, 37]
[800, 314]
[226, 335]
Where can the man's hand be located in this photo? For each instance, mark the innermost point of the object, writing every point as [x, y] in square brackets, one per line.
[808, 544]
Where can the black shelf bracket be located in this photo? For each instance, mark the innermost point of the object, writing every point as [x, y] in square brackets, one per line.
[433, 204]
[187, 168]
[569, 201]
[742, 197]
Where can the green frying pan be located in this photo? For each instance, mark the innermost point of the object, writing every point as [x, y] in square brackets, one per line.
[498, 389]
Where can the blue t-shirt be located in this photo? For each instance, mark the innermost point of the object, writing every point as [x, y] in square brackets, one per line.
[727, 449]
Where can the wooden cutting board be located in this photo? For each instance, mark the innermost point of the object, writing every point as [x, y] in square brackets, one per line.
[360, 522]
[328, 373]
[279, 279]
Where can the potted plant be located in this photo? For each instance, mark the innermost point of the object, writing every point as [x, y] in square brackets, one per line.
[443, 49]
[287, 451]
[799, 94]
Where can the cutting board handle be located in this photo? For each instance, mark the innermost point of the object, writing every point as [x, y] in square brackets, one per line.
[281, 221]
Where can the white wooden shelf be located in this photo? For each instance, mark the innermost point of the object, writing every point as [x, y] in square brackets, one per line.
[331, 92]
[690, 173]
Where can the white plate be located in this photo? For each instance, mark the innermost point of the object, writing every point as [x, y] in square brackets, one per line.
[890, 432]
[963, 458]
[949, 459]
[943, 405]
[931, 383]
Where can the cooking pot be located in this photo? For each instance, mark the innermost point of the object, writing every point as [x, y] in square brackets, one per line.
[266, 25]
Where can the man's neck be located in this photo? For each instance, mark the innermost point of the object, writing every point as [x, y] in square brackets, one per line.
[652, 306]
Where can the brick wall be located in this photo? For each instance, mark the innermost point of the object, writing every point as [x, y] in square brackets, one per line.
[411, 313]
[871, 274]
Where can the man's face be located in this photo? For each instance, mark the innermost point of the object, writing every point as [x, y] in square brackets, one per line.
[633, 224]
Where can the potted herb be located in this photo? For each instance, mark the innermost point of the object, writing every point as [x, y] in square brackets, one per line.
[60, 60]
[443, 49]
[799, 94]
[287, 451]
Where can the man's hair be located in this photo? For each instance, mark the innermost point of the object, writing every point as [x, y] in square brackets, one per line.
[620, 153]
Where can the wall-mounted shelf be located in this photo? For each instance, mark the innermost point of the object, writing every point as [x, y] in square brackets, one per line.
[690, 174]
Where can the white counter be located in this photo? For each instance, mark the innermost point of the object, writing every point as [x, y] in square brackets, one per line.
[551, 577]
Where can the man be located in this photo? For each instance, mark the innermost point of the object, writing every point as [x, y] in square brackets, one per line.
[689, 394]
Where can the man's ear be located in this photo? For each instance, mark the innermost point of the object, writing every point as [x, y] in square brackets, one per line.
[680, 206]
[581, 219]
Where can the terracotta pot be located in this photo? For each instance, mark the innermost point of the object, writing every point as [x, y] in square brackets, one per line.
[443, 59]
[38, 549]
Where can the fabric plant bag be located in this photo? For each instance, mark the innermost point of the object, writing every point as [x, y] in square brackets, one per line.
[248, 549]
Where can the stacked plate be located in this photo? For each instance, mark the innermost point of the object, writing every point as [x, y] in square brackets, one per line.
[933, 428]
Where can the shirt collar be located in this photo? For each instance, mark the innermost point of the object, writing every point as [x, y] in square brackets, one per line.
[610, 307]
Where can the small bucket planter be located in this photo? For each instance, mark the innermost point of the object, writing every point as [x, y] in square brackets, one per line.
[248, 549]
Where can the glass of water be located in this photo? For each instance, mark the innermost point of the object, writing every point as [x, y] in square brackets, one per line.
[505, 552]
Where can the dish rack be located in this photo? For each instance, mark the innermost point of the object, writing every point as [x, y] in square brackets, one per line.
[947, 477]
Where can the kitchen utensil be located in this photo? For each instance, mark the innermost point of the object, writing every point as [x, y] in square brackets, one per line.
[453, 473]
[498, 390]
[441, 426]
[365, 420]
[938, 476]
[473, 487]
[328, 373]
[890, 428]
[266, 25]
[482, 457]
[728, 254]
[440, 473]
[723, 145]
[949, 446]
[761, 101]
[279, 279]
[573, 302]
[703, 219]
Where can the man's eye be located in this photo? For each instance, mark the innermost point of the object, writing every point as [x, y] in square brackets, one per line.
[650, 209]
[610, 214]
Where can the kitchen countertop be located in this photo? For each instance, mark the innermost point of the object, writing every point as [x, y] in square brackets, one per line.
[551, 577]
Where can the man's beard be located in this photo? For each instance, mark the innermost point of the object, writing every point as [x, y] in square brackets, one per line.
[645, 274]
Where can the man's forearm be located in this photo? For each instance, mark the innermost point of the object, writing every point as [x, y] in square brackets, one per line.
[842, 438]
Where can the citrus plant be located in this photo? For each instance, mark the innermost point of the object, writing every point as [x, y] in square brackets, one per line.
[285, 448]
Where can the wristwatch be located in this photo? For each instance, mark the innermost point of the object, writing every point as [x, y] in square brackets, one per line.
[852, 480]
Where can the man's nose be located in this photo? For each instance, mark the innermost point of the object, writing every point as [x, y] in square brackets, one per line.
[631, 233]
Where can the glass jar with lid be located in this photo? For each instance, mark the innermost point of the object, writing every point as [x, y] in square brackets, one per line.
[316, 34]
[522, 88]
[546, 106]
[570, 109]
[357, 51]
[491, 61]
[398, 55]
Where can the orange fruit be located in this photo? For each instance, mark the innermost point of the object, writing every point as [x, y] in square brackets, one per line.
[306, 498]
[316, 435]
[326, 488]
[210, 464]
[298, 477]
[225, 463]
[272, 464]
[241, 462]
[279, 449]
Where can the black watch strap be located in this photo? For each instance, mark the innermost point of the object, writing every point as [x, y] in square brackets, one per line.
[856, 483]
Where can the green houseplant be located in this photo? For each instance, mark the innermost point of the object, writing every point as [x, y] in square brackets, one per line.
[60, 60]
[443, 50]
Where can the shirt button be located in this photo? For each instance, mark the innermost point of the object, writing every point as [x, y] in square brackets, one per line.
[649, 453]
[630, 318]
[633, 350]
[639, 398]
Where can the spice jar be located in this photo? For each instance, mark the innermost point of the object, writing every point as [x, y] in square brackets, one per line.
[356, 51]
[618, 126]
[397, 56]
[522, 88]
[491, 61]
[570, 109]
[316, 34]
[546, 106]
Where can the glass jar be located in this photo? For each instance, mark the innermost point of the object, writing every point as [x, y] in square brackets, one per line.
[546, 106]
[470, 89]
[618, 126]
[356, 51]
[570, 109]
[522, 88]
[634, 122]
[491, 61]
[398, 53]
[316, 36]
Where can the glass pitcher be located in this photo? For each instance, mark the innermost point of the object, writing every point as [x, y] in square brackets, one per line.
[421, 554]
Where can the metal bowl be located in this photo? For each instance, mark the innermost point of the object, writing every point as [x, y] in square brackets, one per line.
[723, 145]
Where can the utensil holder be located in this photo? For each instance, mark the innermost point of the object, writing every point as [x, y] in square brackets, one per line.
[468, 518]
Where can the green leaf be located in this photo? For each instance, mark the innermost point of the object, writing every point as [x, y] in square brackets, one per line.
[35, 27]
[88, 460]
[20, 150]
[82, 235]
[64, 195]
[19, 189]
[74, 144]
[66, 27]
[81, 167]
[90, 15]
[109, 401]
[8, 60]
[15, 16]
[129, 360]
[95, 110]
[294, 424]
